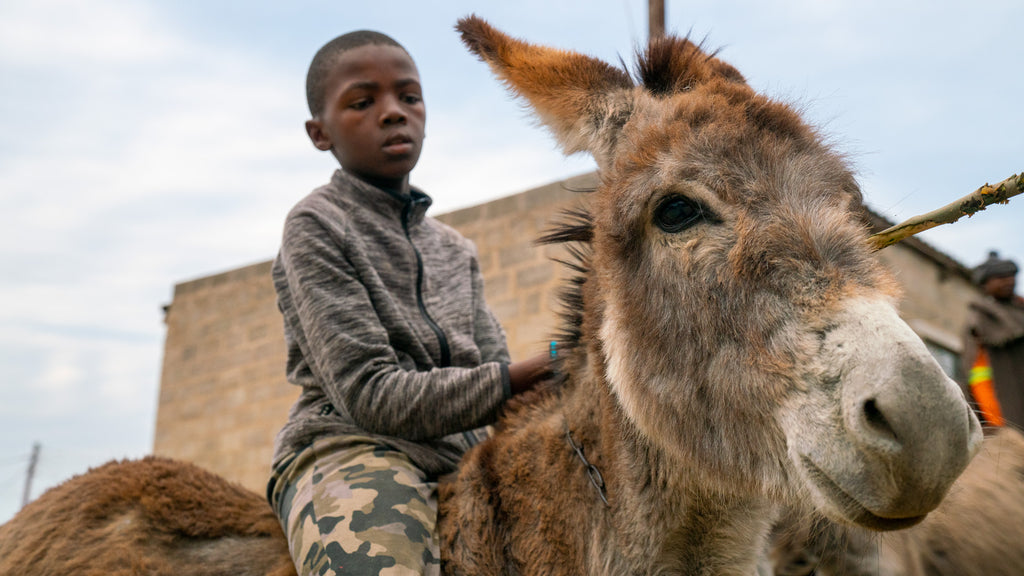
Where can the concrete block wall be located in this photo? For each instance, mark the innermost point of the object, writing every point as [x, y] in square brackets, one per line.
[223, 393]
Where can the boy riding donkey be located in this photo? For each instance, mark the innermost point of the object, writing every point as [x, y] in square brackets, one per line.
[399, 359]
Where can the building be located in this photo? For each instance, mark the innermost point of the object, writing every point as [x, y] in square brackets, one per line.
[223, 393]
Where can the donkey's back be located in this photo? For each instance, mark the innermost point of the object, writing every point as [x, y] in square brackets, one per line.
[153, 516]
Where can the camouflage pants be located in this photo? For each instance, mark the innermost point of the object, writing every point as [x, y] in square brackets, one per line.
[349, 505]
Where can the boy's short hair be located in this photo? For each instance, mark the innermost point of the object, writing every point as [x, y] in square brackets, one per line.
[320, 67]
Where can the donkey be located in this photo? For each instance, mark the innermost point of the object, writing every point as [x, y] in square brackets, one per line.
[731, 347]
[732, 344]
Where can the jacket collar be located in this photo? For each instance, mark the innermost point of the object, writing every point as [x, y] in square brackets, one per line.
[388, 202]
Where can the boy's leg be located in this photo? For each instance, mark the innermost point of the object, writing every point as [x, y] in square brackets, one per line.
[351, 506]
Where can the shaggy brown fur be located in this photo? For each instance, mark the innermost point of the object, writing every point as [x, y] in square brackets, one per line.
[153, 516]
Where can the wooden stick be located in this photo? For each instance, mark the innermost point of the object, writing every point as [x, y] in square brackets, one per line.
[966, 206]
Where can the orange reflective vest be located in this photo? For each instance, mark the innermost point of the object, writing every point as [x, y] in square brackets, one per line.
[983, 389]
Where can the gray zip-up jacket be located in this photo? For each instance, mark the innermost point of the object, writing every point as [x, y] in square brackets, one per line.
[386, 326]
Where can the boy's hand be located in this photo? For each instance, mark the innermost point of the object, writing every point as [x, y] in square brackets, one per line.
[524, 375]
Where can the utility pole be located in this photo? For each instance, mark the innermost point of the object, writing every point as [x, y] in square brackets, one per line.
[30, 473]
[655, 19]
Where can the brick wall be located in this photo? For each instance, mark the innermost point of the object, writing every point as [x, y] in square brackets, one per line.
[223, 394]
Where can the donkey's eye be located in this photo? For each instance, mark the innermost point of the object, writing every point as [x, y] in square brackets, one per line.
[677, 213]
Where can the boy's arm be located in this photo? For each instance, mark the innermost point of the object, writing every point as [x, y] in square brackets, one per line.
[348, 350]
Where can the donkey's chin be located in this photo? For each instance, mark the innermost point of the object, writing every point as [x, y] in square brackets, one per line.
[839, 505]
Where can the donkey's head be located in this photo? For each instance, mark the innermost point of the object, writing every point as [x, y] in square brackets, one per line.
[732, 304]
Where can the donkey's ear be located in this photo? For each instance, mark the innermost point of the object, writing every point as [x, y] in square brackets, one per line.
[584, 101]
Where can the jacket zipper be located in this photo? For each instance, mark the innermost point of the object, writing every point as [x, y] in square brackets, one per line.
[442, 340]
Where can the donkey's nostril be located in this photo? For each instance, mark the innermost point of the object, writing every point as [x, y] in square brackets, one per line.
[876, 421]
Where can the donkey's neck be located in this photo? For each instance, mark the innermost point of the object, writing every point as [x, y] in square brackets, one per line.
[710, 535]
[661, 513]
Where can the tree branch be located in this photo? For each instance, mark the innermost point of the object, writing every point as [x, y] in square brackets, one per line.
[966, 206]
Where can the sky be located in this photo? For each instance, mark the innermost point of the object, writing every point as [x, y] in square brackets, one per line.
[147, 143]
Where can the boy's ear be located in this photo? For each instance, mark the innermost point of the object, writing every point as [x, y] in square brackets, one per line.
[317, 135]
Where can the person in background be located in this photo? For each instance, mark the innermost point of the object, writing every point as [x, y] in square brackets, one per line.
[400, 362]
[993, 350]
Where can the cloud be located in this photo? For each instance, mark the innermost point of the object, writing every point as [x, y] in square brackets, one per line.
[57, 33]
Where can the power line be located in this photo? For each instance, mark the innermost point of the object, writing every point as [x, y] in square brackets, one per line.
[10, 481]
[19, 460]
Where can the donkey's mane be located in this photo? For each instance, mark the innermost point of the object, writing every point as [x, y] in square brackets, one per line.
[574, 229]
[672, 64]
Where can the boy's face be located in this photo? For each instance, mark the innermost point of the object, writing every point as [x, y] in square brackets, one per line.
[373, 117]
